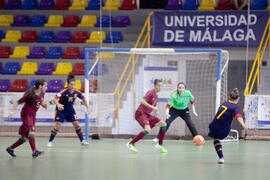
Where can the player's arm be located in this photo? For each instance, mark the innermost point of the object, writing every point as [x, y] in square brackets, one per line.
[55, 100]
[145, 103]
[43, 104]
[241, 121]
[235, 2]
[86, 105]
[15, 105]
[245, 2]
[192, 101]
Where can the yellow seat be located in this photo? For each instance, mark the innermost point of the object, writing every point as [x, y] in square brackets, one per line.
[207, 5]
[12, 36]
[78, 5]
[112, 5]
[96, 37]
[54, 21]
[63, 69]
[28, 68]
[20, 52]
[78, 84]
[6, 20]
[88, 21]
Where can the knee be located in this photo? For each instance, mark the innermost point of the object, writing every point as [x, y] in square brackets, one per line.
[147, 128]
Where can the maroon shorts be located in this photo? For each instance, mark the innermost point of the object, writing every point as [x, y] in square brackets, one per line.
[146, 119]
[27, 125]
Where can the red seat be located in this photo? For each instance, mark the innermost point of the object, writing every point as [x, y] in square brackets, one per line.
[5, 51]
[19, 85]
[128, 5]
[62, 5]
[29, 36]
[71, 53]
[78, 69]
[71, 21]
[93, 86]
[224, 5]
[2, 4]
[79, 37]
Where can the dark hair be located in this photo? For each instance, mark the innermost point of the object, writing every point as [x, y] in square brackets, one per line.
[70, 78]
[157, 81]
[181, 83]
[234, 95]
[30, 94]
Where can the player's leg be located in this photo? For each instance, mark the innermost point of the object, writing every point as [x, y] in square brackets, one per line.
[185, 115]
[218, 148]
[59, 119]
[31, 138]
[162, 133]
[19, 142]
[79, 132]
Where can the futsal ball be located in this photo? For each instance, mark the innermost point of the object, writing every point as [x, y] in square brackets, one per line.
[199, 140]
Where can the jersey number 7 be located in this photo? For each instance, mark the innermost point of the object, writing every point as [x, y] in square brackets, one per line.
[225, 109]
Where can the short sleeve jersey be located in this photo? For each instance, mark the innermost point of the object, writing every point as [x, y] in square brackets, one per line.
[29, 108]
[151, 98]
[67, 98]
[180, 102]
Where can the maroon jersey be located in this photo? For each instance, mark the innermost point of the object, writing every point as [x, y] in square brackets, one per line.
[151, 98]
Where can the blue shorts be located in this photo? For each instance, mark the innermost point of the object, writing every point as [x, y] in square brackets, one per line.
[217, 132]
[70, 116]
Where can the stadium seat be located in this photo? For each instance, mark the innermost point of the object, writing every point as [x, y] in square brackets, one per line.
[121, 21]
[4, 85]
[28, 68]
[2, 4]
[112, 5]
[13, 4]
[173, 5]
[71, 21]
[62, 37]
[12, 36]
[55, 86]
[1, 67]
[259, 5]
[19, 85]
[78, 5]
[46, 4]
[79, 37]
[104, 21]
[54, 21]
[6, 20]
[82, 55]
[93, 86]
[106, 55]
[11, 68]
[128, 5]
[224, 5]
[63, 69]
[32, 84]
[94, 5]
[99, 69]
[2, 35]
[62, 5]
[88, 21]
[37, 53]
[29, 36]
[45, 37]
[38, 21]
[78, 84]
[190, 5]
[54, 53]
[96, 37]
[207, 5]
[20, 52]
[5, 51]
[29, 4]
[71, 53]
[78, 69]
[113, 37]
[45, 69]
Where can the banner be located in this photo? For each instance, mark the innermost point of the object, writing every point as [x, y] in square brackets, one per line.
[205, 28]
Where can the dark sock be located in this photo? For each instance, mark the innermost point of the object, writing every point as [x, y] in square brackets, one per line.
[53, 134]
[79, 133]
[138, 137]
[218, 148]
[162, 133]
[31, 138]
[19, 142]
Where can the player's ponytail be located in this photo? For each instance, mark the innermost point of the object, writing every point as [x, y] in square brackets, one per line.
[30, 94]
[70, 78]
[234, 95]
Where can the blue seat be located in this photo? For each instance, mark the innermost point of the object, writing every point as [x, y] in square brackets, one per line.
[94, 5]
[100, 69]
[11, 68]
[45, 37]
[32, 83]
[13, 4]
[46, 4]
[174, 5]
[2, 35]
[259, 5]
[38, 21]
[113, 37]
[190, 5]
[29, 4]
[54, 53]
[104, 21]
[4, 85]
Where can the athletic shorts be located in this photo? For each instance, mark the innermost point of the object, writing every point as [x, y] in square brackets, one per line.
[63, 115]
[146, 119]
[217, 132]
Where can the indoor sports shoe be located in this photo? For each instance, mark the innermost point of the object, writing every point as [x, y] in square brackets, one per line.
[221, 161]
[84, 143]
[49, 144]
[161, 148]
[37, 153]
[11, 152]
[132, 147]
[156, 140]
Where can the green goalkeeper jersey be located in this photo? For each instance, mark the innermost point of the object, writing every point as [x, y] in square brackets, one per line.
[181, 102]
